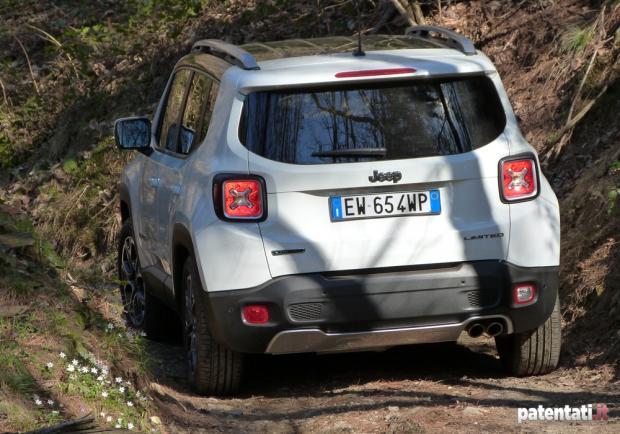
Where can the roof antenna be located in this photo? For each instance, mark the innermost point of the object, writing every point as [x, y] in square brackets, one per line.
[360, 51]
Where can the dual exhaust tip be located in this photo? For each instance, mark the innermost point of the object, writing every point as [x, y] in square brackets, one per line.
[493, 328]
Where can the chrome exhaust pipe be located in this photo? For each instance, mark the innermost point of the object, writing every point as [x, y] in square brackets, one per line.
[475, 330]
[495, 328]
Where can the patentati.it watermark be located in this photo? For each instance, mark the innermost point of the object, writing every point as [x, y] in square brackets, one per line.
[586, 412]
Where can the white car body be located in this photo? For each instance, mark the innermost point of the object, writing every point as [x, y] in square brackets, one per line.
[165, 192]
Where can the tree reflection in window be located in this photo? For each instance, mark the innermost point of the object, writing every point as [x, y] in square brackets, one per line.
[169, 128]
[197, 100]
[412, 119]
[134, 133]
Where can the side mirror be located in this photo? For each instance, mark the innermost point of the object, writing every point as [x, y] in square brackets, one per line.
[133, 133]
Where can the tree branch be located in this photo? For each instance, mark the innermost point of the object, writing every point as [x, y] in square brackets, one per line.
[401, 9]
[34, 81]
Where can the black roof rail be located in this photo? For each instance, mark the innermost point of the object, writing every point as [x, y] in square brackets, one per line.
[460, 42]
[228, 52]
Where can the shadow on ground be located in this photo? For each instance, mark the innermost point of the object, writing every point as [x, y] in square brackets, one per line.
[423, 385]
[286, 375]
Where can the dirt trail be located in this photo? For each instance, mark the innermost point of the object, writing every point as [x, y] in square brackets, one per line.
[427, 388]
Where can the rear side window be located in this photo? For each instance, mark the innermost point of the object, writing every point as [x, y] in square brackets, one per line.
[195, 124]
[208, 111]
[369, 122]
[174, 103]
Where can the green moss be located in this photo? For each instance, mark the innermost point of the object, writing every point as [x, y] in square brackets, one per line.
[70, 165]
[6, 154]
[612, 199]
[50, 256]
[576, 39]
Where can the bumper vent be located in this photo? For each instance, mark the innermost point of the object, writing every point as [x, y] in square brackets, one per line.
[305, 311]
[481, 298]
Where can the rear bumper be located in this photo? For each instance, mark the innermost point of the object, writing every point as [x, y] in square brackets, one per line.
[379, 308]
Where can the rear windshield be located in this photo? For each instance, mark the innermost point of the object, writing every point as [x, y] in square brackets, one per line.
[372, 122]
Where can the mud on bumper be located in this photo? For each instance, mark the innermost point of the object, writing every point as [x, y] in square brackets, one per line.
[374, 309]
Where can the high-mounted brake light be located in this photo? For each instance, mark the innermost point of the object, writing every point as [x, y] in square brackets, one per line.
[375, 72]
[519, 179]
[240, 197]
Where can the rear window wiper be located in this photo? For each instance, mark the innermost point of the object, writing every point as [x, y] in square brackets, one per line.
[352, 152]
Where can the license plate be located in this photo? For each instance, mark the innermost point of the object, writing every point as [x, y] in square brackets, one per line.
[366, 206]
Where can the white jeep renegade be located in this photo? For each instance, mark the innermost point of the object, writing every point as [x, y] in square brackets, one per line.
[304, 196]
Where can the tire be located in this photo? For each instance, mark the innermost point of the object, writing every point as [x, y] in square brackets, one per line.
[141, 310]
[535, 352]
[213, 369]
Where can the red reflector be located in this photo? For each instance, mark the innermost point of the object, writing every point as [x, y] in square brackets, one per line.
[523, 293]
[256, 314]
[375, 72]
[519, 179]
[242, 199]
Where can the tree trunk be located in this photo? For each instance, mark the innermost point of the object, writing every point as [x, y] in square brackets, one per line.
[411, 10]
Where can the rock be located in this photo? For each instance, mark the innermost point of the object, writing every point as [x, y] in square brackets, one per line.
[472, 411]
[155, 420]
[343, 426]
[15, 240]
[11, 311]
[393, 408]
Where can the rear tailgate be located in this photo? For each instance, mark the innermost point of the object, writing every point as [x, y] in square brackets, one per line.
[443, 136]
[299, 217]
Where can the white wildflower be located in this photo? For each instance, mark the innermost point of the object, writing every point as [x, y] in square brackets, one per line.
[94, 370]
[38, 401]
[110, 326]
[104, 394]
[138, 394]
[62, 355]
[49, 365]
[74, 362]
[70, 368]
[100, 378]
[102, 414]
[129, 404]
[108, 419]
[130, 426]
[84, 369]
[54, 411]
[121, 389]
[50, 402]
[118, 380]
[117, 426]
[143, 334]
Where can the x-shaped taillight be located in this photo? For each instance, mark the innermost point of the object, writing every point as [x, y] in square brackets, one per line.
[241, 198]
[518, 179]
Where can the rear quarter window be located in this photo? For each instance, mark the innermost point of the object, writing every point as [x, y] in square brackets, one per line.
[368, 122]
